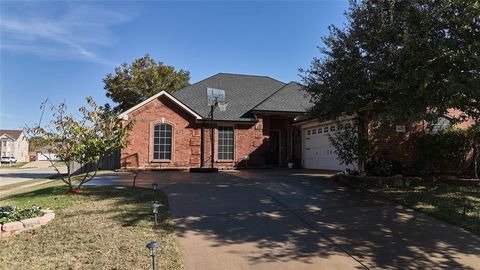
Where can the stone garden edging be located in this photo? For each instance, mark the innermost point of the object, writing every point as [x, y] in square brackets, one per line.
[26, 224]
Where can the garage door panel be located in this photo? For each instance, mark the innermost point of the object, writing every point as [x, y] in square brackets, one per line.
[318, 152]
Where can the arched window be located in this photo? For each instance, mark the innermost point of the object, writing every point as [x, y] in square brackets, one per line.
[162, 142]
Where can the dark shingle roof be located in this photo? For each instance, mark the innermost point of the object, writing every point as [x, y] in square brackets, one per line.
[12, 133]
[242, 93]
[290, 98]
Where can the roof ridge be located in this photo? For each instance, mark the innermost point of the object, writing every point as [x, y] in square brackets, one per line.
[249, 75]
[278, 90]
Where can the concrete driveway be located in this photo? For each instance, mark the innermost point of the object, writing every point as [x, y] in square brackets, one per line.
[301, 220]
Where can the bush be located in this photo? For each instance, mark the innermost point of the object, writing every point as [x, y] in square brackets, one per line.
[444, 152]
[11, 213]
[350, 147]
[375, 167]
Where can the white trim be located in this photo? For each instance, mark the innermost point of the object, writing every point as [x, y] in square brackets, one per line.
[316, 122]
[11, 138]
[124, 115]
[218, 143]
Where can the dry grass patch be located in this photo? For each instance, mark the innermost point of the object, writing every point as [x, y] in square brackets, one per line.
[440, 200]
[103, 228]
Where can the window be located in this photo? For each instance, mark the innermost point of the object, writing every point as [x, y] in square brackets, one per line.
[438, 125]
[225, 143]
[325, 130]
[162, 142]
[314, 131]
[320, 130]
[332, 128]
[4, 143]
[308, 132]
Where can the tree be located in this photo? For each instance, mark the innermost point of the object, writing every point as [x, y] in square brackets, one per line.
[402, 61]
[350, 146]
[474, 135]
[95, 135]
[143, 78]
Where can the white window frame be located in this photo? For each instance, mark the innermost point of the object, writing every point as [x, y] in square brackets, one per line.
[218, 144]
[159, 138]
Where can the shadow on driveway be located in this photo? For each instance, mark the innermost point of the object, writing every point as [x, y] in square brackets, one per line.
[287, 219]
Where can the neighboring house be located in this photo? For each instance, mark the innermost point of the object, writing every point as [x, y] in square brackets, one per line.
[14, 143]
[43, 154]
[173, 130]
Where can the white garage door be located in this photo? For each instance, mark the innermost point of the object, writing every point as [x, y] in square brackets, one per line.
[318, 153]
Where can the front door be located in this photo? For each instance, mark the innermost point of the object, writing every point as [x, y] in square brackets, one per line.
[274, 146]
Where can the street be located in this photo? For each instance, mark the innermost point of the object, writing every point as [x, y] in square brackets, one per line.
[10, 176]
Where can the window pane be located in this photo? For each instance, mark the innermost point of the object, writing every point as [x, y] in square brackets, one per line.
[225, 146]
[162, 142]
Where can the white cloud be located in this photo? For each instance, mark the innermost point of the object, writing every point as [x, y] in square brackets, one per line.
[75, 35]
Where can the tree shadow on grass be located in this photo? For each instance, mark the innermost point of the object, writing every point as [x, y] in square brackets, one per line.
[134, 205]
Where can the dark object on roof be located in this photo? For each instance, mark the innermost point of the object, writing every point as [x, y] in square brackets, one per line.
[12, 133]
[290, 98]
[242, 94]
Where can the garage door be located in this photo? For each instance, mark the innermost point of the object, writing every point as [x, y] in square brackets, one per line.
[318, 153]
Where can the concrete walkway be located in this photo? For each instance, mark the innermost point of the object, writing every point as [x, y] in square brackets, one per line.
[300, 220]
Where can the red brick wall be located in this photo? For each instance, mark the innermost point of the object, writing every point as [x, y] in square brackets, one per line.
[249, 139]
[401, 146]
[186, 136]
[395, 145]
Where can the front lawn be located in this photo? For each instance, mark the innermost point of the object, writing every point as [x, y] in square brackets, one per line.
[440, 200]
[102, 228]
[16, 165]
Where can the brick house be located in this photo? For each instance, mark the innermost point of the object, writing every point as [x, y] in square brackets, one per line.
[397, 142]
[256, 130]
[265, 125]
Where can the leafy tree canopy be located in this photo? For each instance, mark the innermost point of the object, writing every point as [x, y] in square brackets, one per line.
[143, 78]
[400, 60]
[86, 140]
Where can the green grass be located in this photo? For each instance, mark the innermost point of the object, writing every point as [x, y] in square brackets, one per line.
[13, 166]
[58, 164]
[102, 228]
[440, 200]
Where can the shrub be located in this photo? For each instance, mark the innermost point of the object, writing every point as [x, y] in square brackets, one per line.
[349, 146]
[444, 152]
[11, 213]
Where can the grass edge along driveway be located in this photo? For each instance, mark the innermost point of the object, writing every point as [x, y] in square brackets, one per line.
[102, 228]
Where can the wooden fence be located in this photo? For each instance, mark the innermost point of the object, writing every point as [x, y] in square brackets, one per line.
[110, 162]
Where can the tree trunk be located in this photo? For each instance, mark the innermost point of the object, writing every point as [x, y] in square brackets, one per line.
[85, 180]
[476, 158]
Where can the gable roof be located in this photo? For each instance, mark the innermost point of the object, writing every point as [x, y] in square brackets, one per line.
[242, 94]
[290, 98]
[124, 114]
[12, 133]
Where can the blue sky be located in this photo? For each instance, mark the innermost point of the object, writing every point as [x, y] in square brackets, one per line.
[63, 50]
